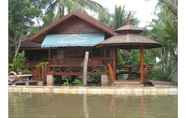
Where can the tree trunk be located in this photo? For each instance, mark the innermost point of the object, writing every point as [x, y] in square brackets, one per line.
[17, 47]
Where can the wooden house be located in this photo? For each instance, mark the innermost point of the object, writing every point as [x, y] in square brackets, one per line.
[62, 44]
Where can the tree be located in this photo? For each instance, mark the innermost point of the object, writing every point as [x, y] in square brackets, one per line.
[58, 8]
[122, 17]
[21, 15]
[165, 30]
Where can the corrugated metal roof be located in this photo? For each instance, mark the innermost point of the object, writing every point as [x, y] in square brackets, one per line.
[72, 40]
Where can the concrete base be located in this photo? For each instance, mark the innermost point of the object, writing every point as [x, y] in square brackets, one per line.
[95, 90]
[104, 80]
[50, 80]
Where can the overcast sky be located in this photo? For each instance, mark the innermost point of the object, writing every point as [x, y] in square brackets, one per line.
[144, 9]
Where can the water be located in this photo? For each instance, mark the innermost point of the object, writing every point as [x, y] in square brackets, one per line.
[91, 106]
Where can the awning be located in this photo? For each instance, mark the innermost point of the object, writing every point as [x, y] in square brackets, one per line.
[72, 40]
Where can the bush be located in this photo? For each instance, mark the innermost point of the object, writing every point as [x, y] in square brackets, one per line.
[19, 63]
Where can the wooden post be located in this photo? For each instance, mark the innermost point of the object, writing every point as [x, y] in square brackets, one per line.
[111, 72]
[142, 64]
[85, 68]
[114, 62]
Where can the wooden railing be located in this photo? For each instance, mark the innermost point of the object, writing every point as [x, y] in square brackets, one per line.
[73, 66]
[133, 71]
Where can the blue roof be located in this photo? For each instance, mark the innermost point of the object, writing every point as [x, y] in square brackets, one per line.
[72, 40]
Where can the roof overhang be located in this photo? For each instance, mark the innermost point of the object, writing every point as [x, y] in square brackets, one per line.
[132, 41]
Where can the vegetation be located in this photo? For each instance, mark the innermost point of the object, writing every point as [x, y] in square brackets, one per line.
[66, 81]
[18, 64]
[165, 29]
[21, 14]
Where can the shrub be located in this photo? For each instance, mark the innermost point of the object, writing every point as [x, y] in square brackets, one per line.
[19, 63]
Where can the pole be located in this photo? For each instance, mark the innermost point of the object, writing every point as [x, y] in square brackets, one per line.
[114, 62]
[142, 64]
[85, 68]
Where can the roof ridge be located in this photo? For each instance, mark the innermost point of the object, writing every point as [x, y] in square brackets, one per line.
[82, 15]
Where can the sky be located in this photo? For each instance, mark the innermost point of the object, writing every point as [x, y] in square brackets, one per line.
[143, 9]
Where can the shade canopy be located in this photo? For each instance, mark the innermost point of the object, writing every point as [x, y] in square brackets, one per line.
[129, 28]
[130, 37]
[72, 40]
[131, 41]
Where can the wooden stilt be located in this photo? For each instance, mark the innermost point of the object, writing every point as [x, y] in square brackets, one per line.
[111, 72]
[85, 68]
[142, 65]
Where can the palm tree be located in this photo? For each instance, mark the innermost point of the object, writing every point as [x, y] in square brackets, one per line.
[165, 29]
[121, 17]
[58, 8]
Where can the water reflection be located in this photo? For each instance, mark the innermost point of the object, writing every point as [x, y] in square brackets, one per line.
[85, 106]
[91, 106]
[142, 107]
[113, 106]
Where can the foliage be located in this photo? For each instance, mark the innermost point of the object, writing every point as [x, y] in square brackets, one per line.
[120, 57]
[77, 81]
[58, 8]
[21, 15]
[95, 76]
[58, 81]
[18, 64]
[121, 17]
[105, 17]
[165, 30]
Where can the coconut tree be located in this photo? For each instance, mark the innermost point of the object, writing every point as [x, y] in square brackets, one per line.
[58, 8]
[165, 29]
[121, 17]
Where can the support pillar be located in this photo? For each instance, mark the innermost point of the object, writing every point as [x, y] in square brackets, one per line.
[85, 68]
[114, 62]
[141, 64]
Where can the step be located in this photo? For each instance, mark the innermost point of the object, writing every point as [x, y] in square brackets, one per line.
[126, 83]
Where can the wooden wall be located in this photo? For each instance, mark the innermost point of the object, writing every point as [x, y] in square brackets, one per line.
[74, 25]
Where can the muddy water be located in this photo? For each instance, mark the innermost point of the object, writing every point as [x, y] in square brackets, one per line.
[91, 106]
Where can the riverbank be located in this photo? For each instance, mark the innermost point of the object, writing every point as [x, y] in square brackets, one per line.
[95, 90]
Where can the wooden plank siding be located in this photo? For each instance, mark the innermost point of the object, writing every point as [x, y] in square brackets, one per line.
[76, 26]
